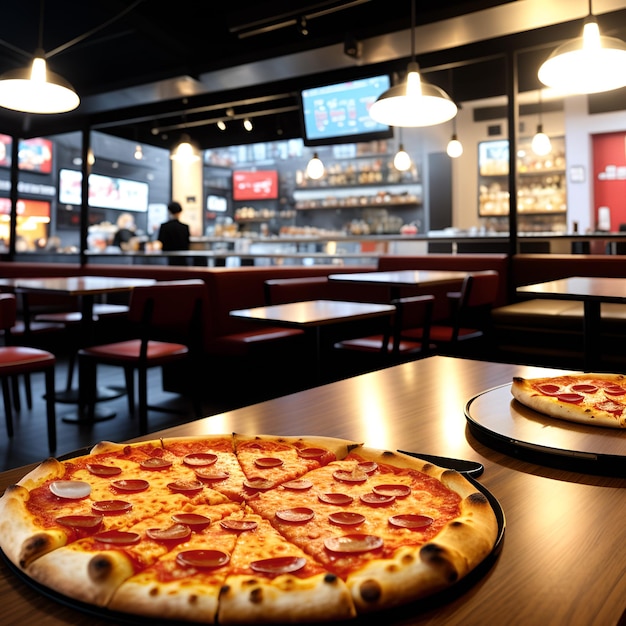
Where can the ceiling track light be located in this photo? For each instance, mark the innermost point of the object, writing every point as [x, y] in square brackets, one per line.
[589, 64]
[221, 124]
[247, 124]
[413, 103]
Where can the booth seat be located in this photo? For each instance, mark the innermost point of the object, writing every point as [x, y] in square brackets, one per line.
[546, 331]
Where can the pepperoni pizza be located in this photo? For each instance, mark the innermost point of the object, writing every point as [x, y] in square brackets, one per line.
[595, 399]
[236, 529]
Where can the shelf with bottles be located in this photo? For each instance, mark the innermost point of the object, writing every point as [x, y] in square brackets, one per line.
[253, 214]
[541, 188]
[381, 199]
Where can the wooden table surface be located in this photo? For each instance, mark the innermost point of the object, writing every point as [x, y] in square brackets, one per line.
[563, 556]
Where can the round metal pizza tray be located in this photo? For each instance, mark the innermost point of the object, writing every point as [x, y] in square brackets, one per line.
[399, 613]
[499, 421]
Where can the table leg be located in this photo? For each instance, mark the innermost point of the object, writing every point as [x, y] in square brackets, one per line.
[591, 334]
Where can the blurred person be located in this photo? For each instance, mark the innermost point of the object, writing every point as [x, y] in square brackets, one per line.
[125, 230]
[174, 234]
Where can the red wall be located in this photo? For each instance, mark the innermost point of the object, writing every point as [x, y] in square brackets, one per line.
[609, 176]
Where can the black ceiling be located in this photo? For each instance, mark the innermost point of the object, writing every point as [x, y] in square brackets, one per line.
[126, 60]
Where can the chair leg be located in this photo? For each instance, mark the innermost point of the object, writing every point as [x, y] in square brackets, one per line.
[28, 390]
[15, 384]
[87, 390]
[50, 410]
[8, 409]
[142, 389]
[70, 372]
[129, 376]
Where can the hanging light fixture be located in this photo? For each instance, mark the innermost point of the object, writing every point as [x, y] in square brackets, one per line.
[589, 64]
[402, 160]
[247, 124]
[35, 89]
[315, 168]
[221, 124]
[454, 149]
[414, 102]
[185, 151]
[138, 152]
[541, 144]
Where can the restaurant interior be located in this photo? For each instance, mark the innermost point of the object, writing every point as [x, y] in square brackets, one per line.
[374, 301]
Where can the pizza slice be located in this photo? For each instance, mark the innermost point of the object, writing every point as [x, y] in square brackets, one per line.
[271, 580]
[269, 461]
[594, 399]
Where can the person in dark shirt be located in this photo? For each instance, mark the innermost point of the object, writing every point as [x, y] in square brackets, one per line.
[174, 234]
[125, 230]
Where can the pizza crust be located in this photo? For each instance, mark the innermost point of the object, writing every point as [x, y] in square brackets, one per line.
[589, 412]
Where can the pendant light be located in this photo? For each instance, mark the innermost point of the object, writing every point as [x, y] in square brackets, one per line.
[454, 149]
[541, 144]
[315, 168]
[414, 102]
[35, 89]
[402, 160]
[589, 64]
[185, 151]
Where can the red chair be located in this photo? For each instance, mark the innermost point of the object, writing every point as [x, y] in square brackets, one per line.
[71, 320]
[167, 317]
[412, 314]
[17, 360]
[470, 317]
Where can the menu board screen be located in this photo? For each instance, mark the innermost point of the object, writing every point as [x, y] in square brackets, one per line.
[339, 113]
[255, 185]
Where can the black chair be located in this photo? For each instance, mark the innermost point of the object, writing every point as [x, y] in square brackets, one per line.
[168, 318]
[413, 314]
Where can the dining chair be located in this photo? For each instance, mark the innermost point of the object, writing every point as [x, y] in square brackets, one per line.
[167, 321]
[395, 343]
[284, 290]
[71, 322]
[470, 312]
[18, 360]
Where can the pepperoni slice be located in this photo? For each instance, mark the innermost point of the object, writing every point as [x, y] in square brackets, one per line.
[155, 463]
[340, 499]
[279, 565]
[584, 388]
[615, 390]
[368, 466]
[398, 490]
[131, 485]
[193, 520]
[351, 544]
[346, 518]
[211, 474]
[268, 462]
[238, 525]
[111, 507]
[207, 559]
[549, 389]
[186, 486]
[103, 470]
[176, 532]
[312, 453]
[571, 398]
[80, 521]
[117, 537]
[258, 483]
[70, 489]
[200, 458]
[411, 521]
[296, 515]
[298, 485]
[377, 499]
[350, 476]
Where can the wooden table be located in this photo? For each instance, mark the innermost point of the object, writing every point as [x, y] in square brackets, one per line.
[315, 314]
[562, 559]
[86, 288]
[592, 291]
[395, 280]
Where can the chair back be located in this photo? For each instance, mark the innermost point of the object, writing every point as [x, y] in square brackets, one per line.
[481, 289]
[8, 311]
[282, 290]
[413, 313]
[170, 310]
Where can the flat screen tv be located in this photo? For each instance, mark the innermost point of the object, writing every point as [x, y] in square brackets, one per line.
[255, 185]
[339, 113]
[104, 191]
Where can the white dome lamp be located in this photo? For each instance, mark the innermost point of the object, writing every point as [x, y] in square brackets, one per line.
[589, 64]
[414, 102]
[315, 168]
